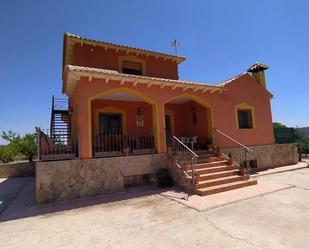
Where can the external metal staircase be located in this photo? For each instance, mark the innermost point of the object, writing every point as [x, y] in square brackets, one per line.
[56, 143]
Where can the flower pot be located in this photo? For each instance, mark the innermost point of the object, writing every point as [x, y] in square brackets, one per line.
[175, 158]
[242, 171]
[197, 179]
[185, 167]
[126, 150]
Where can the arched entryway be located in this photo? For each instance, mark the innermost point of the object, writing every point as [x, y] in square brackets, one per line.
[123, 118]
[190, 119]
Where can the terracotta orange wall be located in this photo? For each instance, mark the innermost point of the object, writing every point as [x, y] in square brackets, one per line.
[183, 121]
[244, 89]
[108, 59]
[130, 108]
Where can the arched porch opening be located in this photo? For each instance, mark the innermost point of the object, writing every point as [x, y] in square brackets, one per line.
[189, 118]
[122, 122]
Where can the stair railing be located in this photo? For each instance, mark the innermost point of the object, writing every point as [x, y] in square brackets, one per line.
[231, 148]
[185, 157]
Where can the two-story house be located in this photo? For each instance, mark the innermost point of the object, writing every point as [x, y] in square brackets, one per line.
[127, 109]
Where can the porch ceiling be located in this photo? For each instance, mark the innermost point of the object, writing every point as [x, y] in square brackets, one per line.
[122, 96]
[180, 100]
[73, 73]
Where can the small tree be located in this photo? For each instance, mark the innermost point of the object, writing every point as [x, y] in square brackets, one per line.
[27, 146]
[7, 153]
[278, 125]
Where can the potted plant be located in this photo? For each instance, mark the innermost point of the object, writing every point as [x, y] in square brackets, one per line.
[164, 178]
[125, 148]
[169, 149]
[175, 157]
[218, 151]
[209, 143]
[196, 178]
[230, 160]
[185, 167]
[242, 169]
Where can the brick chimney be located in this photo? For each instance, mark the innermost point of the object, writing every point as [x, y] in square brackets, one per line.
[257, 71]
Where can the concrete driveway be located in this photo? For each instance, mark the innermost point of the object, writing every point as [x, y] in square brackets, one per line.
[149, 220]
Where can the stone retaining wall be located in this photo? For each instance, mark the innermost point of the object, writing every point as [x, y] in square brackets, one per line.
[17, 169]
[275, 155]
[72, 179]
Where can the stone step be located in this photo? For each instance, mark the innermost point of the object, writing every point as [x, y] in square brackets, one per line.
[225, 187]
[219, 181]
[215, 175]
[206, 155]
[213, 169]
[209, 159]
[210, 164]
[204, 152]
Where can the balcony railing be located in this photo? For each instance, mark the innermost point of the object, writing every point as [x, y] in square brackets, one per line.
[55, 145]
[115, 143]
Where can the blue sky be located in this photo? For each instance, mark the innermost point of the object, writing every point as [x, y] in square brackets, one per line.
[219, 38]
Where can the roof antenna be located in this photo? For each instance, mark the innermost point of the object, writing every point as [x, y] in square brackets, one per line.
[175, 45]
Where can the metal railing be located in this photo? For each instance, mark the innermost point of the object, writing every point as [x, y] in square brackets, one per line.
[231, 148]
[115, 143]
[185, 156]
[55, 145]
[60, 104]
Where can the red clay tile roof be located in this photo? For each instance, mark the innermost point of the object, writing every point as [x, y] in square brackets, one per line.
[97, 72]
[178, 58]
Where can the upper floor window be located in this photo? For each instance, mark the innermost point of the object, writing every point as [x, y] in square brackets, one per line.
[130, 64]
[130, 67]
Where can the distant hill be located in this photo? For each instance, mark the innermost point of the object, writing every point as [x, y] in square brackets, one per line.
[304, 129]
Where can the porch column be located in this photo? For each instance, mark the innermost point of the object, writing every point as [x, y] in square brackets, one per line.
[161, 143]
[84, 128]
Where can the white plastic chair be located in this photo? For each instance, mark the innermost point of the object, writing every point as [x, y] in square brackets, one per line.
[183, 140]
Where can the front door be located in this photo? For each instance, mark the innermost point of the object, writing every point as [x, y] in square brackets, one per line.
[168, 130]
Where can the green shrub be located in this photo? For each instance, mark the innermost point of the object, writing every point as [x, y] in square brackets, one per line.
[25, 145]
[7, 153]
[164, 178]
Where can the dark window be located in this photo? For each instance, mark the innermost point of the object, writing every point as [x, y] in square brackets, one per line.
[129, 67]
[245, 119]
[110, 123]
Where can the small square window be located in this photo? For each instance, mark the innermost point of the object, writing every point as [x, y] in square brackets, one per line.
[129, 67]
[245, 119]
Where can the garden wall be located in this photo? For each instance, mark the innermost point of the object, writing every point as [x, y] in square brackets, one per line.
[72, 179]
[17, 169]
[274, 155]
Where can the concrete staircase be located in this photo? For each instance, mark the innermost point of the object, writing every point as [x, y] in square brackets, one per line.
[217, 175]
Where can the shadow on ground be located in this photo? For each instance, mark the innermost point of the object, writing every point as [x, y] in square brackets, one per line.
[23, 206]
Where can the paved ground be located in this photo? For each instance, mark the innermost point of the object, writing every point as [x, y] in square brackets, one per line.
[10, 188]
[275, 220]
